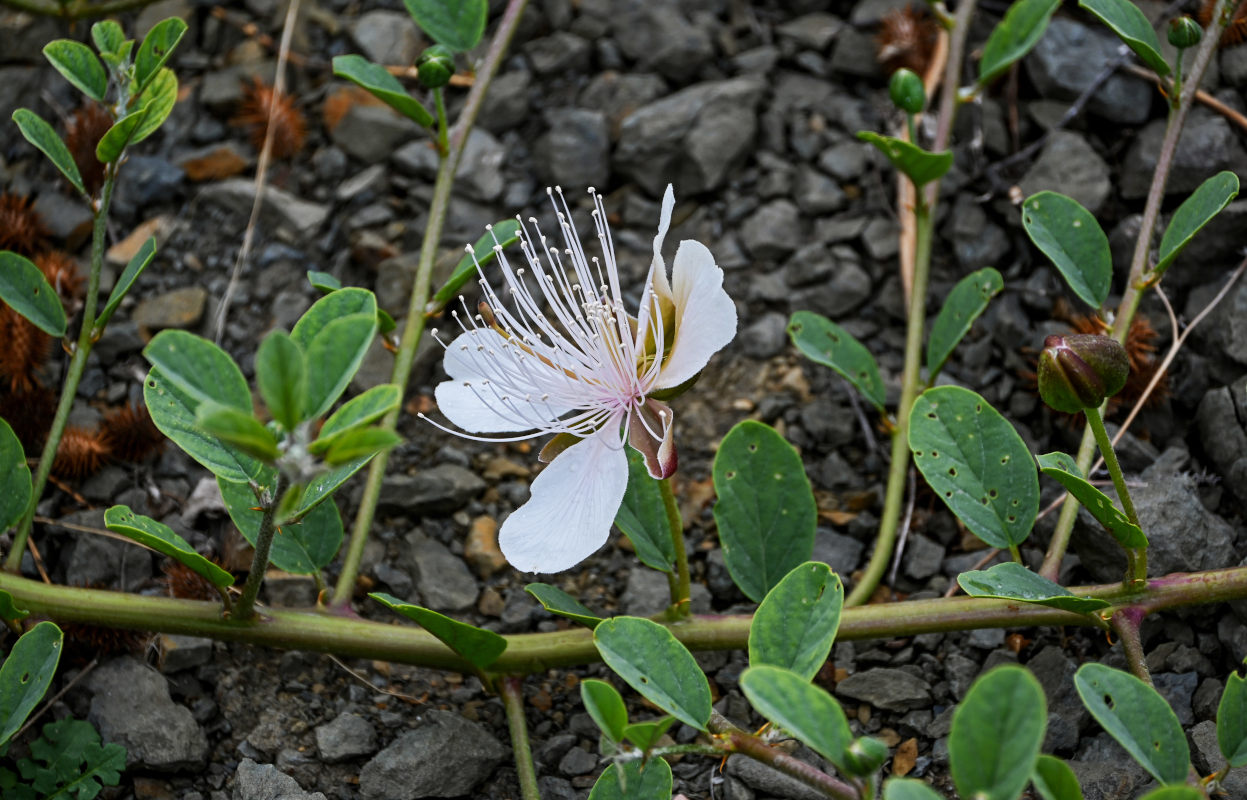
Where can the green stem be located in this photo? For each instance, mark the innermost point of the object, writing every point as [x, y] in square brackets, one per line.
[1126, 622]
[79, 11]
[1137, 568]
[680, 605]
[414, 328]
[898, 471]
[513, 702]
[439, 101]
[731, 739]
[245, 609]
[77, 366]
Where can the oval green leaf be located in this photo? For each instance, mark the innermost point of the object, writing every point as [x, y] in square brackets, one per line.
[501, 234]
[128, 276]
[645, 735]
[199, 369]
[456, 25]
[1195, 212]
[8, 608]
[326, 483]
[108, 36]
[557, 601]
[115, 140]
[78, 65]
[651, 660]
[381, 84]
[24, 289]
[41, 135]
[301, 548]
[1139, 719]
[158, 101]
[238, 428]
[996, 734]
[25, 675]
[477, 645]
[1232, 721]
[1073, 241]
[1064, 470]
[824, 342]
[919, 165]
[360, 443]
[173, 412]
[967, 300]
[360, 410]
[342, 350]
[642, 516]
[1131, 26]
[161, 538]
[797, 621]
[1054, 780]
[634, 780]
[908, 789]
[975, 460]
[323, 281]
[1014, 36]
[1012, 581]
[766, 512]
[155, 50]
[15, 485]
[605, 706]
[806, 711]
[281, 376]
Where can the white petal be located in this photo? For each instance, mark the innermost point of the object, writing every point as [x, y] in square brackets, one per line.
[657, 278]
[705, 318]
[463, 405]
[573, 505]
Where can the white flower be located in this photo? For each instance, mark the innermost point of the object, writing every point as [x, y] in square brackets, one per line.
[555, 351]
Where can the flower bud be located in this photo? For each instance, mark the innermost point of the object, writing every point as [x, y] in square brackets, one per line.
[907, 91]
[865, 756]
[435, 65]
[1184, 32]
[1079, 371]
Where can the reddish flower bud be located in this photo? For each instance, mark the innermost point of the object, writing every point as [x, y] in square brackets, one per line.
[1079, 371]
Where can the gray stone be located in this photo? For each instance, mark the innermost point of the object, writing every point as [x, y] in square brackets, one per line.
[1234, 66]
[1178, 689]
[1066, 61]
[446, 756]
[1207, 145]
[149, 180]
[160, 10]
[660, 38]
[887, 688]
[1069, 165]
[506, 105]
[1220, 417]
[575, 150]
[386, 37]
[101, 561]
[922, 557]
[442, 579]
[395, 277]
[480, 172]
[346, 736]
[769, 781]
[841, 553]
[816, 194]
[67, 219]
[1207, 758]
[369, 180]
[845, 161]
[1106, 780]
[222, 89]
[977, 242]
[618, 94]
[766, 337]
[181, 308]
[828, 423]
[647, 593]
[440, 490]
[773, 231]
[371, 133]
[1066, 713]
[1225, 331]
[813, 31]
[960, 672]
[552, 788]
[880, 238]
[280, 209]
[854, 54]
[577, 761]
[254, 781]
[130, 705]
[848, 287]
[811, 265]
[178, 652]
[560, 52]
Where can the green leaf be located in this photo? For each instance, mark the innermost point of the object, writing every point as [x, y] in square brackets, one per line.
[908, 789]
[479, 646]
[766, 512]
[824, 342]
[158, 100]
[806, 711]
[1232, 721]
[26, 291]
[645, 735]
[25, 675]
[1195, 212]
[173, 412]
[71, 762]
[1054, 780]
[9, 611]
[642, 516]
[1071, 238]
[1012, 581]
[634, 780]
[503, 234]
[155, 51]
[797, 621]
[108, 36]
[41, 135]
[199, 368]
[605, 706]
[323, 281]
[301, 548]
[1132, 27]
[1020, 30]
[557, 601]
[281, 376]
[78, 65]
[335, 334]
[161, 538]
[128, 276]
[15, 485]
[239, 429]
[1139, 719]
[457, 25]
[385, 87]
[1064, 470]
[996, 734]
[651, 660]
[115, 140]
[975, 460]
[361, 443]
[326, 483]
[359, 411]
[1175, 793]
[920, 166]
[967, 300]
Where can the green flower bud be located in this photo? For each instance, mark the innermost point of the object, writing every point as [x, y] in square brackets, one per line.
[865, 756]
[1184, 32]
[1079, 371]
[907, 91]
[435, 66]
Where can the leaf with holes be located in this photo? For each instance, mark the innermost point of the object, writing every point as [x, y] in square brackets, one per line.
[78, 65]
[975, 460]
[1139, 719]
[766, 512]
[634, 780]
[24, 289]
[643, 517]
[199, 368]
[1054, 780]
[39, 133]
[651, 660]
[824, 342]
[1012, 581]
[1014, 36]
[458, 25]
[920, 166]
[25, 675]
[557, 601]
[806, 711]
[301, 548]
[161, 538]
[479, 646]
[646, 734]
[1232, 721]
[967, 300]
[1131, 26]
[155, 50]
[1064, 470]
[1073, 241]
[1195, 212]
[908, 789]
[501, 234]
[138, 263]
[797, 621]
[605, 706]
[381, 84]
[173, 412]
[15, 485]
[996, 734]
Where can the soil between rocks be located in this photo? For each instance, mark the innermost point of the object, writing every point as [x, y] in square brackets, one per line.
[750, 110]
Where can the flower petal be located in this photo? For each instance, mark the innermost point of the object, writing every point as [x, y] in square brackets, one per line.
[705, 317]
[659, 452]
[572, 508]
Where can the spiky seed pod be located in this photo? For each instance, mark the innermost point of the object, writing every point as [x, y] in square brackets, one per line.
[83, 132]
[61, 271]
[289, 125]
[81, 453]
[1235, 33]
[21, 230]
[25, 349]
[29, 413]
[84, 642]
[186, 584]
[129, 433]
[906, 38]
